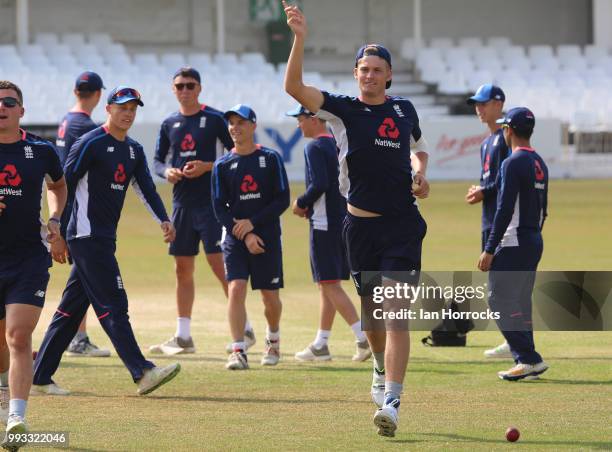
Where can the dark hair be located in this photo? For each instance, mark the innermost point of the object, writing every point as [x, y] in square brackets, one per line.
[85, 94]
[523, 134]
[5, 84]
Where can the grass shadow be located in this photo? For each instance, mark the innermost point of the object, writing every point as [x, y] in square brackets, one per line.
[599, 445]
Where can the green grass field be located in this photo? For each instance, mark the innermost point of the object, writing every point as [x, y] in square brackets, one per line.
[452, 400]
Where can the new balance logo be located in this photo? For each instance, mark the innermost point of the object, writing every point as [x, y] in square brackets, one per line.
[110, 149]
[176, 125]
[367, 109]
[40, 294]
[234, 165]
[29, 154]
[275, 280]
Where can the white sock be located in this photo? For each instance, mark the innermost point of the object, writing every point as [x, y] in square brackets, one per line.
[322, 338]
[183, 327]
[239, 346]
[17, 407]
[272, 335]
[247, 326]
[359, 335]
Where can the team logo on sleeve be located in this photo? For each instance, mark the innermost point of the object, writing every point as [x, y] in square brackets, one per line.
[61, 131]
[485, 167]
[10, 178]
[249, 188]
[188, 146]
[119, 177]
[388, 129]
[540, 176]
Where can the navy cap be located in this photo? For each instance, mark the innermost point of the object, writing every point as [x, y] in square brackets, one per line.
[299, 110]
[519, 118]
[123, 94]
[244, 111]
[486, 93]
[377, 50]
[88, 81]
[187, 71]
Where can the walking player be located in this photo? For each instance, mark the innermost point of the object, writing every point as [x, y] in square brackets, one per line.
[99, 168]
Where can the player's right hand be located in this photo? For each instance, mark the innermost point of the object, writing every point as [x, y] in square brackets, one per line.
[2, 205]
[254, 243]
[59, 251]
[295, 19]
[169, 231]
[174, 175]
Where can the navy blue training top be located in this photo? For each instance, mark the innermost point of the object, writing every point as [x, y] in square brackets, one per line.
[24, 166]
[375, 143]
[251, 186]
[522, 201]
[493, 151]
[98, 171]
[327, 207]
[73, 125]
[197, 137]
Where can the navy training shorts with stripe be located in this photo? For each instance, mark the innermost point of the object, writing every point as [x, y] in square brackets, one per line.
[194, 225]
[265, 270]
[328, 255]
[24, 281]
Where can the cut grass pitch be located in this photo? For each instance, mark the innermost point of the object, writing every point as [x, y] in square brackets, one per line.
[452, 399]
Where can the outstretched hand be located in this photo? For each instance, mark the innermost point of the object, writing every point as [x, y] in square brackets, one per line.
[295, 19]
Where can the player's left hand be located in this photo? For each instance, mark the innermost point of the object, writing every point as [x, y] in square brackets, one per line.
[53, 231]
[59, 251]
[474, 195]
[242, 228]
[297, 210]
[169, 231]
[195, 168]
[484, 262]
[420, 186]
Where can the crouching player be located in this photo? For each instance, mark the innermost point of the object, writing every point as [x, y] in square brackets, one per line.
[250, 192]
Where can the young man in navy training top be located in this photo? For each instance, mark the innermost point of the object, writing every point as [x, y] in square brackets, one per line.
[380, 147]
[489, 104]
[26, 161]
[325, 208]
[189, 141]
[99, 168]
[77, 122]
[515, 245]
[250, 192]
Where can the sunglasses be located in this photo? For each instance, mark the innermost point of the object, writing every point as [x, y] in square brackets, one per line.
[181, 86]
[9, 102]
[131, 92]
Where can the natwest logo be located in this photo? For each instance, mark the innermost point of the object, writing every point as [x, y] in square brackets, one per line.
[120, 174]
[188, 144]
[538, 171]
[388, 129]
[61, 131]
[248, 184]
[9, 176]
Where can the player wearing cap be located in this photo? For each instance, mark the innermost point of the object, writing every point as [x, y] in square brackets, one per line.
[325, 208]
[99, 168]
[188, 143]
[77, 122]
[250, 192]
[26, 161]
[514, 247]
[489, 103]
[382, 169]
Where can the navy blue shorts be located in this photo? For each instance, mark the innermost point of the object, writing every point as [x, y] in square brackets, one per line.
[380, 244]
[24, 282]
[265, 270]
[328, 256]
[194, 225]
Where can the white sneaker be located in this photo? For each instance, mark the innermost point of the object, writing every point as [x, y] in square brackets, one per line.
[271, 355]
[15, 426]
[173, 346]
[311, 353]
[249, 341]
[521, 371]
[237, 361]
[387, 419]
[362, 352]
[4, 404]
[84, 347]
[157, 376]
[501, 351]
[378, 387]
[50, 389]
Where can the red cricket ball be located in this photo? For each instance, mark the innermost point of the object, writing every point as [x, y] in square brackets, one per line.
[512, 434]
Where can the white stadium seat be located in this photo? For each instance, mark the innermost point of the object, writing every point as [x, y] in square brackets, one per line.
[540, 51]
[499, 42]
[73, 39]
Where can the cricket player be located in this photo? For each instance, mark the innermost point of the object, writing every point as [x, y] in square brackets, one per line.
[489, 104]
[250, 192]
[383, 167]
[514, 247]
[26, 162]
[325, 208]
[99, 168]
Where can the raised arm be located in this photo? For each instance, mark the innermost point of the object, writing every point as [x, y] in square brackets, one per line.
[309, 96]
